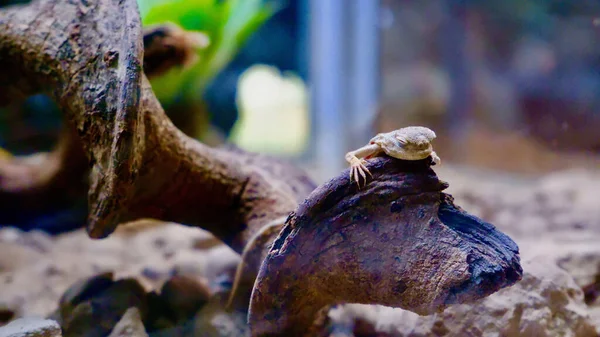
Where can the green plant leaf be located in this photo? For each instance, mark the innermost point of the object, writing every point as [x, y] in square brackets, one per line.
[228, 24]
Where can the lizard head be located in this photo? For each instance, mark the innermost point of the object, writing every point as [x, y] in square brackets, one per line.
[415, 137]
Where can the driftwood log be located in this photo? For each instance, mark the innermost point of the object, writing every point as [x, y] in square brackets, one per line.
[400, 241]
[44, 182]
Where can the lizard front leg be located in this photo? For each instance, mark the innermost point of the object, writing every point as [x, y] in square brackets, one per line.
[357, 163]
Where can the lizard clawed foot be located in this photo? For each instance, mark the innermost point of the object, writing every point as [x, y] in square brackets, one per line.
[358, 169]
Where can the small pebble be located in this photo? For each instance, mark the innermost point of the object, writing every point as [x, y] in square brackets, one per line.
[152, 274]
[31, 327]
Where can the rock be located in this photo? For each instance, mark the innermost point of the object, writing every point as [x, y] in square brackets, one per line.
[6, 314]
[546, 302]
[81, 322]
[213, 320]
[98, 315]
[183, 297]
[171, 312]
[185, 329]
[83, 290]
[591, 291]
[582, 262]
[213, 262]
[31, 327]
[206, 243]
[553, 204]
[31, 281]
[151, 274]
[130, 325]
[157, 314]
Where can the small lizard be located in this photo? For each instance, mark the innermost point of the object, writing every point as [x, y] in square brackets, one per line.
[409, 143]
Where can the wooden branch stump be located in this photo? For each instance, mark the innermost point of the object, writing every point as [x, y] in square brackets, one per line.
[400, 242]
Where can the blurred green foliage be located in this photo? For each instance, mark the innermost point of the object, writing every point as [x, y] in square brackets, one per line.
[227, 23]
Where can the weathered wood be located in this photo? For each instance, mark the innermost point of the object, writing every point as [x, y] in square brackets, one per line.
[44, 182]
[89, 55]
[400, 242]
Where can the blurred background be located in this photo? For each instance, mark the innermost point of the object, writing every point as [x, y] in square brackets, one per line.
[511, 87]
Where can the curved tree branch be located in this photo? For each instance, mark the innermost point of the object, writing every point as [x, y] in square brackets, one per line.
[44, 182]
[89, 56]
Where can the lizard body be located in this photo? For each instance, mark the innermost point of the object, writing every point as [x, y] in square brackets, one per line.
[409, 143]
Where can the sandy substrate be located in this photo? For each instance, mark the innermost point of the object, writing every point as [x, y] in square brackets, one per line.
[36, 269]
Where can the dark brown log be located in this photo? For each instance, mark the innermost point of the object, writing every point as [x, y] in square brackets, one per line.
[89, 55]
[44, 182]
[400, 242]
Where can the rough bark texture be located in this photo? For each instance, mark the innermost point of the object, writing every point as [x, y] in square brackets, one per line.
[45, 182]
[400, 242]
[89, 56]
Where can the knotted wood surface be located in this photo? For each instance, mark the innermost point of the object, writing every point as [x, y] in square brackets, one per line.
[400, 241]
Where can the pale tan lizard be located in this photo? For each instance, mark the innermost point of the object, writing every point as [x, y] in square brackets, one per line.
[409, 143]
